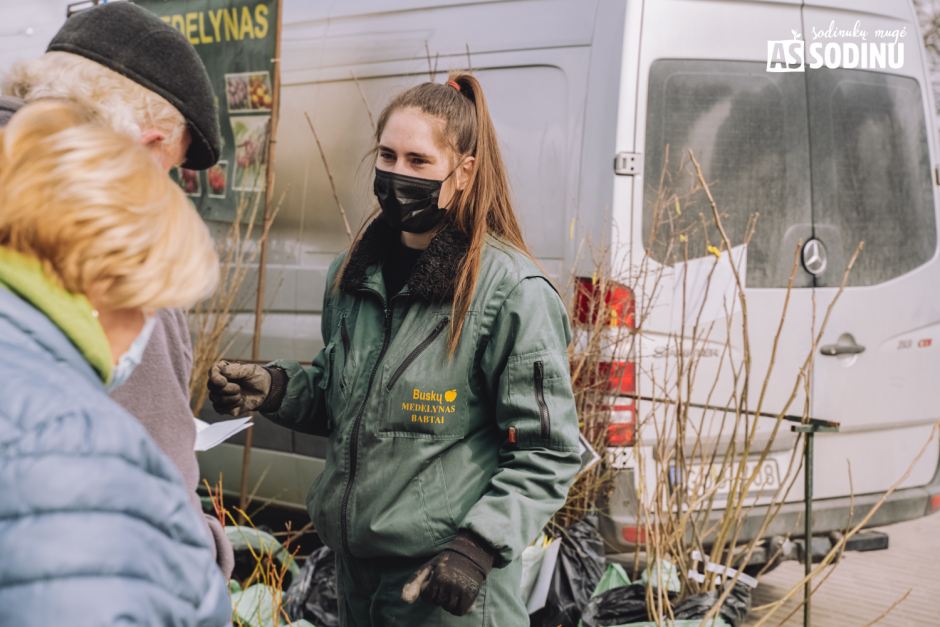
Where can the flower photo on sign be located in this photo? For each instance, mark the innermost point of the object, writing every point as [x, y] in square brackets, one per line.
[251, 134]
[190, 181]
[217, 176]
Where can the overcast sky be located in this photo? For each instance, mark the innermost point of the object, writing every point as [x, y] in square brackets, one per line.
[44, 17]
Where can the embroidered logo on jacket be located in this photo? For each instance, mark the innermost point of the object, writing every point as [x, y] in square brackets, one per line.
[433, 411]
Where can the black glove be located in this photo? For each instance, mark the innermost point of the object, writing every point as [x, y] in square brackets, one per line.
[452, 580]
[240, 388]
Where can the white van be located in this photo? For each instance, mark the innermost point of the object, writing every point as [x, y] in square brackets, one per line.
[585, 95]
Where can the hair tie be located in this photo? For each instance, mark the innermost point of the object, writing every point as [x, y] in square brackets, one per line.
[453, 84]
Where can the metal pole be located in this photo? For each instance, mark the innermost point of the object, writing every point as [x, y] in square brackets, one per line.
[263, 257]
[809, 430]
[821, 425]
[808, 498]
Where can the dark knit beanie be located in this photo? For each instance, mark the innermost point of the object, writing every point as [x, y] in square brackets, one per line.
[139, 45]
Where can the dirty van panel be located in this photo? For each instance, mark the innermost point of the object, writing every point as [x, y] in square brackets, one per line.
[876, 368]
[533, 134]
[871, 174]
[310, 213]
[356, 32]
[288, 335]
[747, 128]
[531, 129]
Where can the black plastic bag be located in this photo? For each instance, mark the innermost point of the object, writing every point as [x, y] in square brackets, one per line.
[733, 610]
[579, 568]
[619, 606]
[313, 595]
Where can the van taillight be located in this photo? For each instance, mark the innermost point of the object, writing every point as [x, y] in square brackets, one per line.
[621, 431]
[622, 380]
[618, 378]
[934, 505]
[634, 535]
[621, 426]
[617, 299]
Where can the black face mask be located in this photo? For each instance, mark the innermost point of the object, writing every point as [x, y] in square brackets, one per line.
[409, 203]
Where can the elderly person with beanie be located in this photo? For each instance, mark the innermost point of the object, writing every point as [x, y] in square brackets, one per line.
[140, 77]
[96, 527]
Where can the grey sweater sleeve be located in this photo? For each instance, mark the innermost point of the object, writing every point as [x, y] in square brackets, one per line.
[8, 106]
[157, 394]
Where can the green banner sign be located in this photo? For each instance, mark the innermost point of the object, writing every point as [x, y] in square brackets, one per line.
[236, 39]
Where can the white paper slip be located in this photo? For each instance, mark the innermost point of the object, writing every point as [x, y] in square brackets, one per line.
[208, 435]
[718, 569]
[589, 456]
[539, 595]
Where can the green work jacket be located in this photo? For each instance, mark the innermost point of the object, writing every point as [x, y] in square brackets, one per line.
[422, 443]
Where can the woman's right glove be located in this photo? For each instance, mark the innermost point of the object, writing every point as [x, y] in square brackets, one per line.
[453, 578]
[238, 388]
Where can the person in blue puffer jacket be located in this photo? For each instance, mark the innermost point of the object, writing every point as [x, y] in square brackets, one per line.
[96, 527]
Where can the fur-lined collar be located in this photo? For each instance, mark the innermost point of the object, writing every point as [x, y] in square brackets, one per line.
[435, 273]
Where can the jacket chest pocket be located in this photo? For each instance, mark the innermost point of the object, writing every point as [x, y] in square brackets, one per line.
[539, 401]
[426, 390]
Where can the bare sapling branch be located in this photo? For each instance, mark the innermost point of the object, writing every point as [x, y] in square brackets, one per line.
[430, 69]
[365, 102]
[210, 320]
[326, 166]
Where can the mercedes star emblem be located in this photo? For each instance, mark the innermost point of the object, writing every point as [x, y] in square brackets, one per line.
[814, 257]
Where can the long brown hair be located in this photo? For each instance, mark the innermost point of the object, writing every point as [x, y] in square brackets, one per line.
[484, 206]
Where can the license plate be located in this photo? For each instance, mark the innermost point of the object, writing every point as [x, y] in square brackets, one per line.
[704, 477]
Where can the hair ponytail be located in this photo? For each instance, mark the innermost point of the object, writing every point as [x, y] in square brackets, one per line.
[484, 206]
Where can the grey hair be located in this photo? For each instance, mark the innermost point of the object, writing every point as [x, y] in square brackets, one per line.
[118, 102]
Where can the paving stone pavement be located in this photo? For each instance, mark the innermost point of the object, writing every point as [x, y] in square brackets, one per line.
[865, 585]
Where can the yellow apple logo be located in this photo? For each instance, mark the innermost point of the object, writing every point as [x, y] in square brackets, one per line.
[450, 396]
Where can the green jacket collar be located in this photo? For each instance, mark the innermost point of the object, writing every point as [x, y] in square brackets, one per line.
[72, 313]
[434, 275]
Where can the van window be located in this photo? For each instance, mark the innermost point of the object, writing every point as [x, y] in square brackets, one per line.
[871, 174]
[747, 128]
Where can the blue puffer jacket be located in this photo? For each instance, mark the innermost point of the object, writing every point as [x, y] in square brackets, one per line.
[96, 527]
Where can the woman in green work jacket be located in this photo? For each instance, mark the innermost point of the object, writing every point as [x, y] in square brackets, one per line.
[444, 386]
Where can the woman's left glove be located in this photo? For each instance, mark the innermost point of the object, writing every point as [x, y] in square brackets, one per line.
[236, 388]
[453, 578]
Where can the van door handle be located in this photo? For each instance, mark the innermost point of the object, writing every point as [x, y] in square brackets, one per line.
[834, 350]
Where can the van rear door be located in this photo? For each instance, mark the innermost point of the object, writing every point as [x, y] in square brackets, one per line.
[707, 89]
[877, 368]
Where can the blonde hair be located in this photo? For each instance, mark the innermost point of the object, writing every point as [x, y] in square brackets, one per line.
[97, 211]
[118, 102]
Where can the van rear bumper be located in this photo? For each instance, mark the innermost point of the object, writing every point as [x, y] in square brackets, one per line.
[828, 514]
